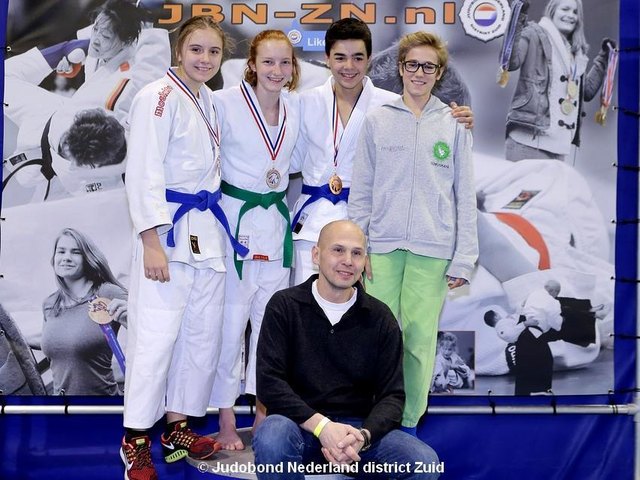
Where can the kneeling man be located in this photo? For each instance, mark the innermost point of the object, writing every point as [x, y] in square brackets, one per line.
[329, 371]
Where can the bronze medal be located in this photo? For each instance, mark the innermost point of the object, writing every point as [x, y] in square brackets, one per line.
[273, 178]
[335, 184]
[98, 311]
[572, 89]
[566, 106]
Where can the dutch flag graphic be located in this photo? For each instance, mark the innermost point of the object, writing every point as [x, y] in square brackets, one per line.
[485, 14]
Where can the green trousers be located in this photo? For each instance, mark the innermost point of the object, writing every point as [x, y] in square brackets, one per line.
[414, 287]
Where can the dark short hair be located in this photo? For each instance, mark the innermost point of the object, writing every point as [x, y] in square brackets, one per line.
[490, 318]
[126, 19]
[347, 29]
[94, 139]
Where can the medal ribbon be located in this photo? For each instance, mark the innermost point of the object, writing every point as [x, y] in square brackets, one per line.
[335, 126]
[215, 133]
[572, 80]
[335, 118]
[273, 148]
[112, 341]
[507, 45]
[607, 87]
[574, 71]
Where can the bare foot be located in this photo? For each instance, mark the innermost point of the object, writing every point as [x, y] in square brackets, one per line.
[228, 436]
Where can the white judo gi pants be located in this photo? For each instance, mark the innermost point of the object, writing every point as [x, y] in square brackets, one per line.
[245, 300]
[173, 344]
[303, 262]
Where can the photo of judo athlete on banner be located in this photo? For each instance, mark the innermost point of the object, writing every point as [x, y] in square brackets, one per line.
[77, 145]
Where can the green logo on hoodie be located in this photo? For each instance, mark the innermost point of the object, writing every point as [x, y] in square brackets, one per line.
[441, 150]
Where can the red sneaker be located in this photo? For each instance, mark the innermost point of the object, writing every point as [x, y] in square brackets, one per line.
[136, 456]
[182, 442]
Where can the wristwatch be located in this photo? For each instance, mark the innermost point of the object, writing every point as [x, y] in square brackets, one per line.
[367, 439]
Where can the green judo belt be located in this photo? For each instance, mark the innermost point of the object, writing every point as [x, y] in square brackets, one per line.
[265, 200]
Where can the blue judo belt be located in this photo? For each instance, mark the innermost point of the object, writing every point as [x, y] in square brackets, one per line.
[203, 200]
[316, 193]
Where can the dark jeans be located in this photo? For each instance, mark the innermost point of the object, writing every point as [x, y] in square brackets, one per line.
[280, 442]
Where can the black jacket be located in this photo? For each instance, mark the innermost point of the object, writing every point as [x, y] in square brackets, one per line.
[353, 369]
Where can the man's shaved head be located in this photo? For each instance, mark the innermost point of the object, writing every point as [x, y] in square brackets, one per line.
[337, 227]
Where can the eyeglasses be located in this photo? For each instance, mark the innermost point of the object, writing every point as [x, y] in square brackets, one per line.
[412, 66]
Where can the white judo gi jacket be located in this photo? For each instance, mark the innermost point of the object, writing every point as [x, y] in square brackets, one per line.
[314, 154]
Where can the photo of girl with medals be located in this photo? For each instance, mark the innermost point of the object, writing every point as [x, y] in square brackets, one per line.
[79, 344]
[547, 108]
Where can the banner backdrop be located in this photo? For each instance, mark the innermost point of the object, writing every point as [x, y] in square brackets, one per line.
[542, 223]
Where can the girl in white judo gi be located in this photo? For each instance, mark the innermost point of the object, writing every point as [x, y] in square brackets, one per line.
[259, 126]
[178, 270]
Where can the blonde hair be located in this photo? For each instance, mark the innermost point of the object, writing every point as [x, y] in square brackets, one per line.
[576, 39]
[250, 76]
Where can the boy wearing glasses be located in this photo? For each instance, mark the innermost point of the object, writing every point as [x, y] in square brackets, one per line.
[413, 195]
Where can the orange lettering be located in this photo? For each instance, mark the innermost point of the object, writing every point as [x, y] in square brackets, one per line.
[316, 10]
